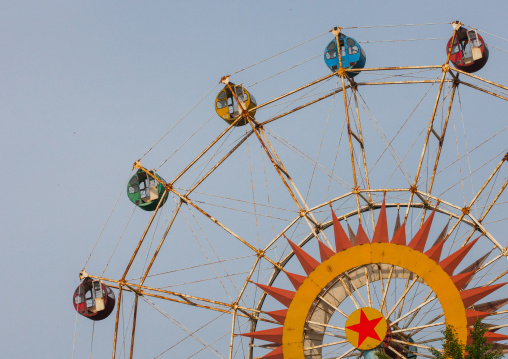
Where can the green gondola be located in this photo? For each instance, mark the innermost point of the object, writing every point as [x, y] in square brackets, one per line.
[146, 192]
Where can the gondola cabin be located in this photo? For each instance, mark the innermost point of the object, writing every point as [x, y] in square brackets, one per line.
[398, 341]
[469, 52]
[229, 106]
[145, 191]
[353, 56]
[93, 299]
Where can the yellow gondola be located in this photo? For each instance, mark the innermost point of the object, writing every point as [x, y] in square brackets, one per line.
[227, 104]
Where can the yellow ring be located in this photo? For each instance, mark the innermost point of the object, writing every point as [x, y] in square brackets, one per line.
[418, 263]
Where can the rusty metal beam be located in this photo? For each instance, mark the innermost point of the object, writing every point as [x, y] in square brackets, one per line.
[483, 90]
[362, 147]
[445, 69]
[118, 305]
[219, 163]
[395, 68]
[144, 234]
[466, 210]
[342, 73]
[480, 79]
[204, 151]
[135, 314]
[185, 299]
[177, 209]
[440, 146]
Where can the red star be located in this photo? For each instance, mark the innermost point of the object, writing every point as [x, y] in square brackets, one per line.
[365, 328]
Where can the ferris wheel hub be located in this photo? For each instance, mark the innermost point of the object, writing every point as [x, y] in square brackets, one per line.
[366, 328]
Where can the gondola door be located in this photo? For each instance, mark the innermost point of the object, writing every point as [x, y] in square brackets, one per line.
[98, 295]
[79, 300]
[475, 44]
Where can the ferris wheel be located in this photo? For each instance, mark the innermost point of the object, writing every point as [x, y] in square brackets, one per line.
[360, 213]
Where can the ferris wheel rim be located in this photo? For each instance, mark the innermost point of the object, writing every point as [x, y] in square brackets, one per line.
[372, 205]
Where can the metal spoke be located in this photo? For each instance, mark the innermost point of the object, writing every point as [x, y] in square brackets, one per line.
[326, 345]
[465, 210]
[429, 340]
[356, 290]
[403, 298]
[349, 293]
[327, 326]
[383, 302]
[428, 323]
[331, 305]
[396, 352]
[367, 284]
[346, 353]
[412, 311]
[419, 327]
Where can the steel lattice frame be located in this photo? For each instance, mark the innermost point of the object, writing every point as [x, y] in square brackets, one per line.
[362, 194]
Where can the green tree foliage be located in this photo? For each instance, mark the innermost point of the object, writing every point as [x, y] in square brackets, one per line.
[479, 348]
[382, 356]
[453, 349]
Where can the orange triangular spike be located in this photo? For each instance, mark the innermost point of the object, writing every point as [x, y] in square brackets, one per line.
[494, 337]
[420, 239]
[397, 225]
[490, 326]
[400, 236]
[296, 279]
[451, 262]
[270, 335]
[492, 306]
[278, 315]
[503, 347]
[361, 236]
[381, 231]
[435, 252]
[324, 251]
[473, 267]
[352, 235]
[473, 315]
[471, 296]
[341, 240]
[461, 279]
[442, 235]
[275, 354]
[308, 263]
[282, 295]
[269, 346]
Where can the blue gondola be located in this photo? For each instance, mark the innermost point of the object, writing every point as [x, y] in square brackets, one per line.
[353, 56]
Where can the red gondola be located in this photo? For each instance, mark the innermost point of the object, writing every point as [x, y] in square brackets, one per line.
[93, 299]
[469, 52]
